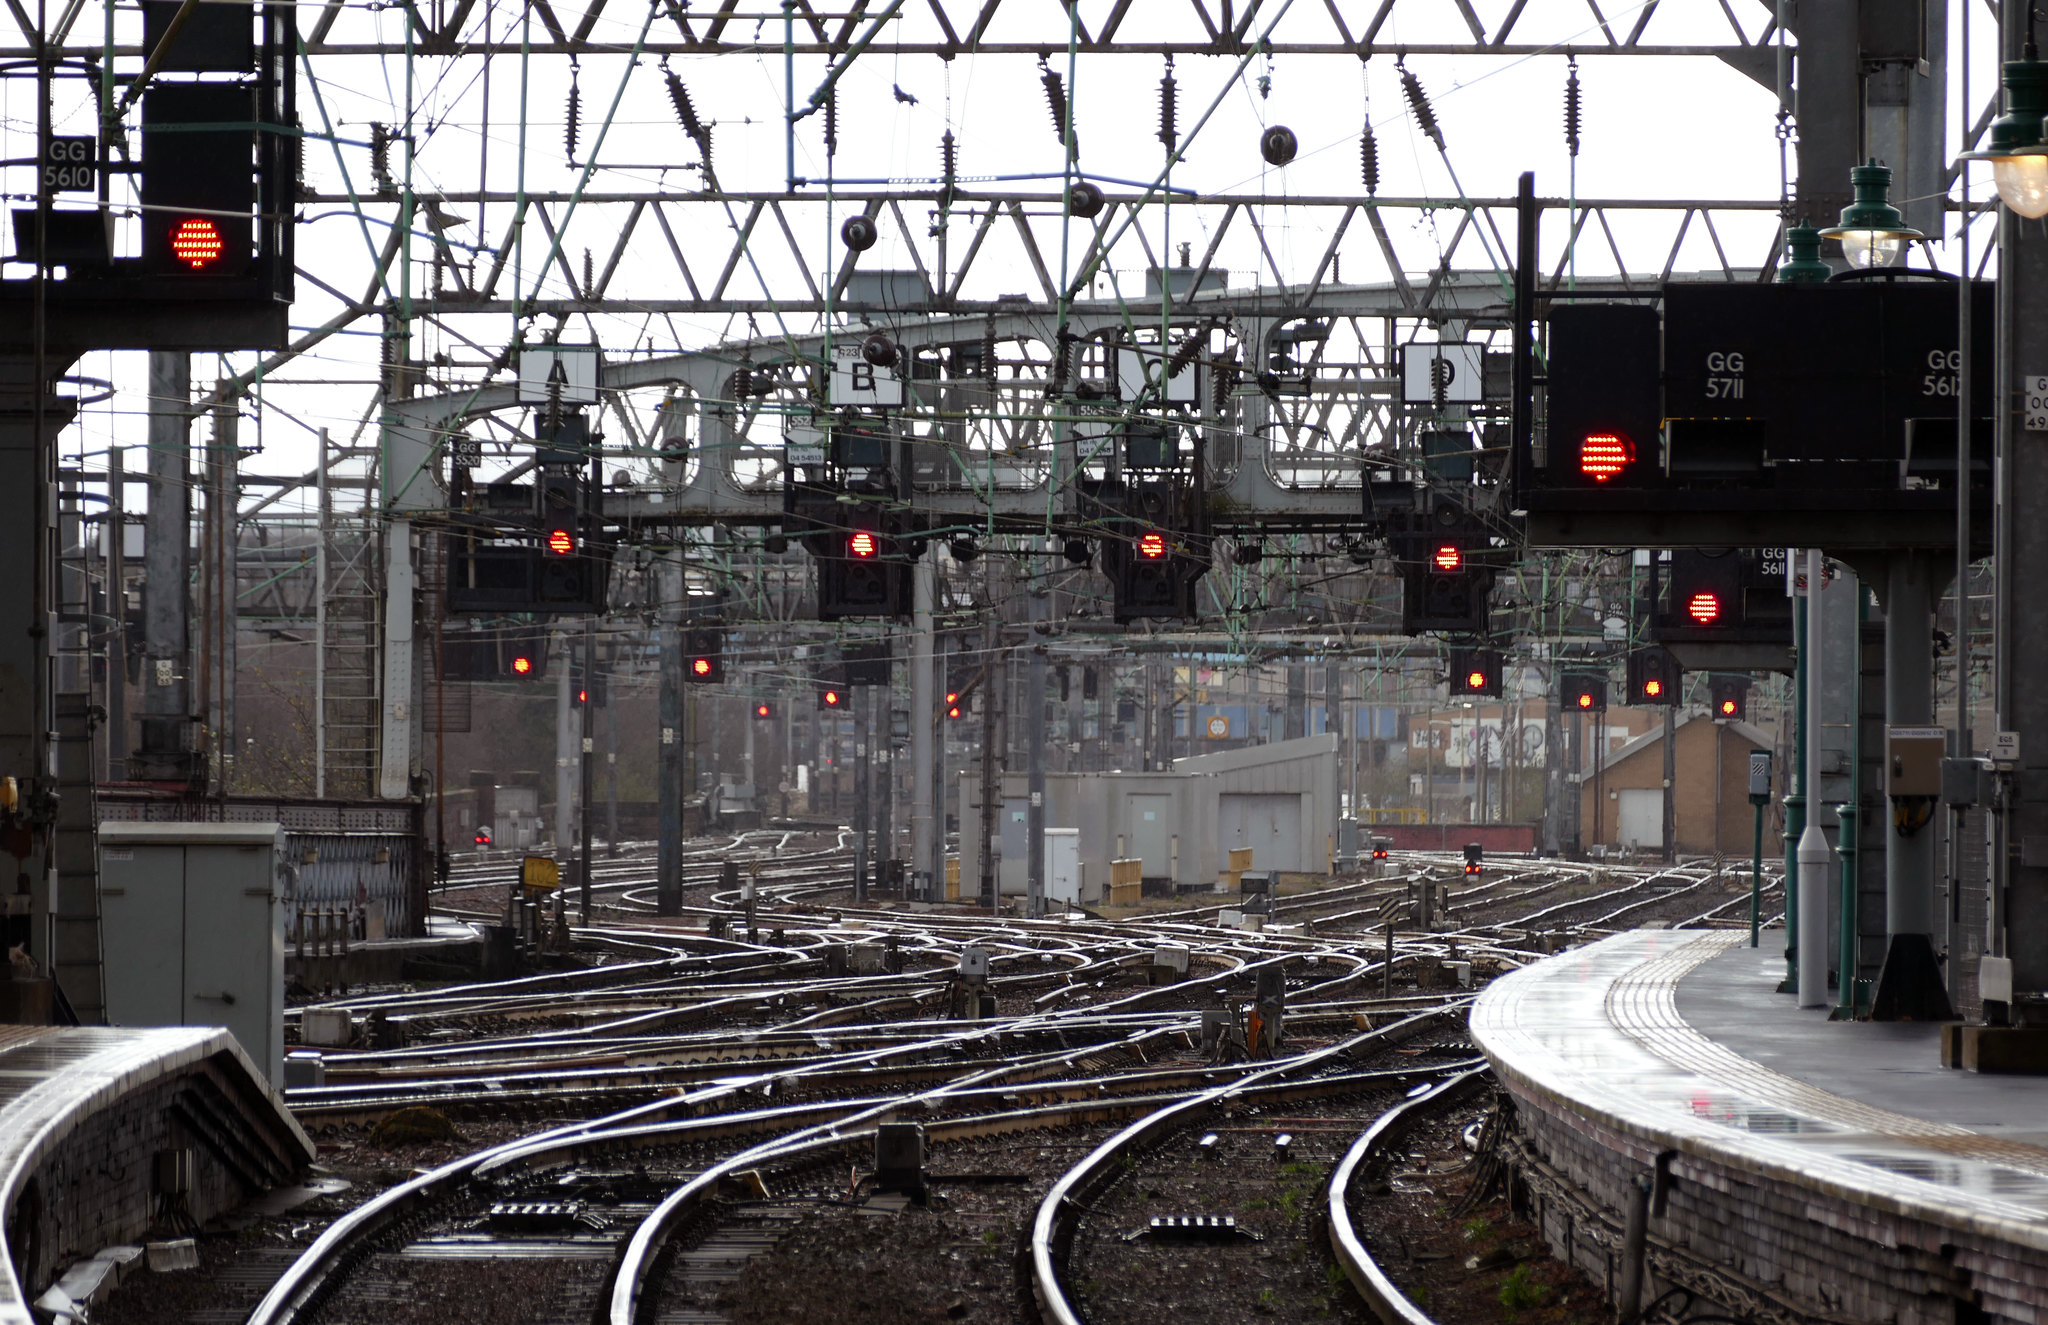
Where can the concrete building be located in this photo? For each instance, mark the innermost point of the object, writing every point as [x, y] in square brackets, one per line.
[1622, 800]
[1279, 799]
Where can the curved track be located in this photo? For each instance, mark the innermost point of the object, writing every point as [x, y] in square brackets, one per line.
[709, 1092]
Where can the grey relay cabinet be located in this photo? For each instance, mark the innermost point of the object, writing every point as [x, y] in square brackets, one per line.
[193, 932]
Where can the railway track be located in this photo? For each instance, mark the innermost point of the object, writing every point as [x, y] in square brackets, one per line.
[701, 1111]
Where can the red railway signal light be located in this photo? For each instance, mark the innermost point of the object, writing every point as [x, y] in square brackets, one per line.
[1704, 607]
[1152, 545]
[1603, 455]
[1448, 557]
[196, 243]
[522, 665]
[863, 545]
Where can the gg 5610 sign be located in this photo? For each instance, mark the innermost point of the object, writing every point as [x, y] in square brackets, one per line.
[72, 165]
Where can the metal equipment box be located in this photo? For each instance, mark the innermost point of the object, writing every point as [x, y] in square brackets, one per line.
[193, 932]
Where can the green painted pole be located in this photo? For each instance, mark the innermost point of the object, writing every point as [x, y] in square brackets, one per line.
[1795, 803]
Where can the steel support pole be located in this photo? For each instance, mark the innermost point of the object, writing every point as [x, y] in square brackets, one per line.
[1910, 984]
[991, 788]
[117, 614]
[2019, 909]
[586, 754]
[1670, 825]
[1756, 873]
[166, 749]
[863, 738]
[565, 749]
[1814, 854]
[668, 861]
[924, 719]
[1034, 818]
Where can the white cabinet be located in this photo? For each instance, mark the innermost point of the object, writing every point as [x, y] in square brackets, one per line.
[193, 932]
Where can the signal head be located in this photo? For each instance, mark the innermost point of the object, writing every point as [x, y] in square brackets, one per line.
[522, 666]
[1585, 700]
[561, 541]
[863, 545]
[1729, 708]
[1448, 557]
[1704, 607]
[1475, 680]
[833, 699]
[1653, 687]
[700, 666]
[1152, 545]
[1602, 455]
[196, 242]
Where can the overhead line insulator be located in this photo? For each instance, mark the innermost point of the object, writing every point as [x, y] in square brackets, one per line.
[1572, 110]
[1418, 104]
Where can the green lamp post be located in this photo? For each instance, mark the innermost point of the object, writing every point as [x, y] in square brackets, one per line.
[1802, 256]
[1872, 232]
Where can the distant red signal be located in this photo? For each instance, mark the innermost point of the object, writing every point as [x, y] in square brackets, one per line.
[1448, 557]
[1152, 546]
[561, 541]
[522, 666]
[1704, 607]
[863, 545]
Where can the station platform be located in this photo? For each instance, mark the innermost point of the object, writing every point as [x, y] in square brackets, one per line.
[1782, 1165]
[109, 1136]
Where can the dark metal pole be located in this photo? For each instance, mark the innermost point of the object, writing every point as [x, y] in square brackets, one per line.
[1756, 871]
[863, 736]
[587, 731]
[668, 870]
[991, 791]
[1034, 817]
[1522, 419]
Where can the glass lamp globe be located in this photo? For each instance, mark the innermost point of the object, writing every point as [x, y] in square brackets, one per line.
[1872, 248]
[2022, 184]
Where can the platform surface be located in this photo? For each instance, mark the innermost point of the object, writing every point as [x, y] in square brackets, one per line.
[1894, 1065]
[53, 1079]
[1678, 1039]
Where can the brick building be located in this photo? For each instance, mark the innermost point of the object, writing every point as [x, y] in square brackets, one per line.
[1622, 802]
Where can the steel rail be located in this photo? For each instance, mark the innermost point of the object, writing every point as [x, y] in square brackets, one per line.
[1051, 1226]
[1386, 1300]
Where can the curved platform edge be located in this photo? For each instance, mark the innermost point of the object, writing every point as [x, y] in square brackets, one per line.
[1835, 1209]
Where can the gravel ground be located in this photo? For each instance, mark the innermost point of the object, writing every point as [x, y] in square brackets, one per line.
[954, 1259]
[1483, 1268]
[241, 1256]
[1286, 1275]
